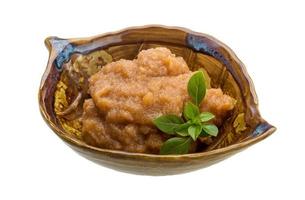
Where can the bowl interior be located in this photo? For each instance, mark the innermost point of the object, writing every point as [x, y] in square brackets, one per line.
[85, 56]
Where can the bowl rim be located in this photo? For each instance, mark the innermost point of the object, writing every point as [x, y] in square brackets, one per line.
[79, 144]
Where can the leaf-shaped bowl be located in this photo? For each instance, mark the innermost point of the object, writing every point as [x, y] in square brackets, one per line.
[60, 95]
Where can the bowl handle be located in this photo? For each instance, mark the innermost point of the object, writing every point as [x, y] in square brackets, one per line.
[60, 51]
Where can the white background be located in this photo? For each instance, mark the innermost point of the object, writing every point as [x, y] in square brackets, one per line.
[267, 36]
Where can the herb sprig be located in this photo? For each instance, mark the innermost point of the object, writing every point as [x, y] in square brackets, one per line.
[192, 125]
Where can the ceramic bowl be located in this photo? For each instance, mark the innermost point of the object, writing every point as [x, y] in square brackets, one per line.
[242, 129]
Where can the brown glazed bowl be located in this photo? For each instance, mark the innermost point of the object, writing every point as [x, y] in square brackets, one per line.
[242, 129]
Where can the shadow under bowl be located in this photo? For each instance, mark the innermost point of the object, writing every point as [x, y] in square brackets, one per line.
[242, 129]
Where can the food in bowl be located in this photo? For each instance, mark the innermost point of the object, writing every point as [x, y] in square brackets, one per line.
[128, 95]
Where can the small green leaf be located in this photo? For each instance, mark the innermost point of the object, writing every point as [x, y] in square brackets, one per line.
[190, 110]
[210, 129]
[194, 131]
[207, 78]
[176, 145]
[206, 116]
[204, 134]
[182, 130]
[168, 123]
[196, 87]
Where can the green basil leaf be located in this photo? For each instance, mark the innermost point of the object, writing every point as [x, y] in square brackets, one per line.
[207, 78]
[182, 130]
[176, 145]
[168, 123]
[190, 110]
[196, 87]
[204, 134]
[194, 131]
[206, 116]
[210, 129]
